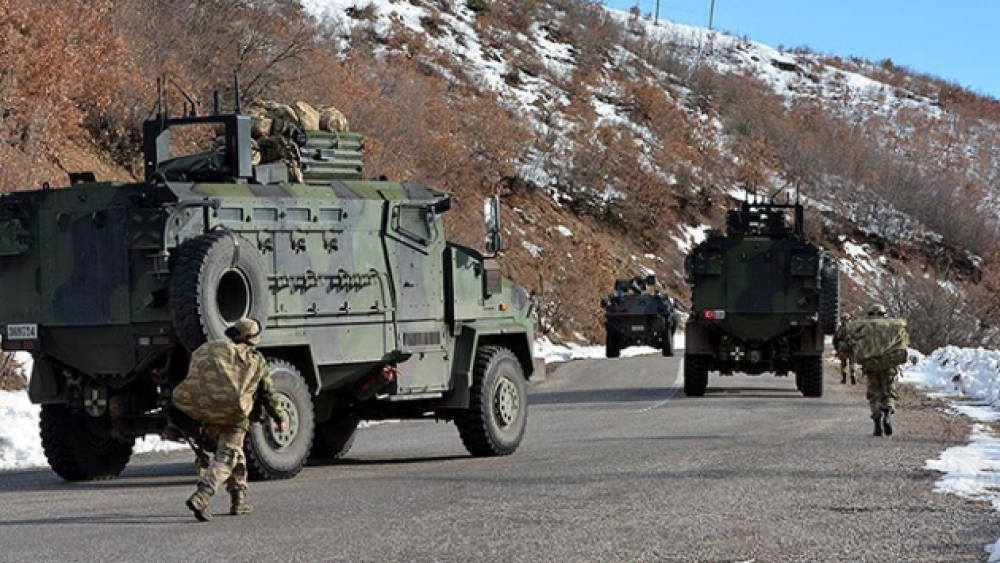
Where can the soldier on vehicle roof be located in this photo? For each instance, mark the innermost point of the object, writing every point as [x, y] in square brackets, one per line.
[219, 391]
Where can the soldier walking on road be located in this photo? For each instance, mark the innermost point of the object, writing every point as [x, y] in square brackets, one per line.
[843, 347]
[219, 391]
[880, 345]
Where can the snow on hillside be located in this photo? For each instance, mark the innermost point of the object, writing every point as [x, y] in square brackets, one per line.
[539, 98]
[788, 74]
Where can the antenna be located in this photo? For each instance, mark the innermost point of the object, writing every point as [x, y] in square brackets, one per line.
[160, 111]
[774, 196]
[236, 88]
[190, 100]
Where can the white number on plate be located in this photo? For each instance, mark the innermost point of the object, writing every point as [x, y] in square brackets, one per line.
[22, 332]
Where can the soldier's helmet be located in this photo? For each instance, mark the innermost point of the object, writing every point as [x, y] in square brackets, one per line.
[245, 330]
[877, 310]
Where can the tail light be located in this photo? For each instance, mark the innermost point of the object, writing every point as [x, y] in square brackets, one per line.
[714, 314]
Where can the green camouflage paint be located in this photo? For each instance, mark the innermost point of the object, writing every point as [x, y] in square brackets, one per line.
[762, 296]
[356, 275]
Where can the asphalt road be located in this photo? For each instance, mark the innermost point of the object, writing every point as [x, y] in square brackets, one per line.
[617, 465]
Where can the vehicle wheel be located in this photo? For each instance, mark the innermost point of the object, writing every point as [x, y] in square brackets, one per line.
[829, 299]
[695, 375]
[218, 278]
[80, 447]
[334, 437]
[497, 415]
[612, 346]
[811, 372]
[667, 349]
[281, 455]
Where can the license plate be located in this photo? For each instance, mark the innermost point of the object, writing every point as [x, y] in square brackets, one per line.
[638, 328]
[22, 332]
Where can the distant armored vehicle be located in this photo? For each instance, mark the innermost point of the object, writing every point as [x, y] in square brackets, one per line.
[638, 315]
[762, 299]
[111, 285]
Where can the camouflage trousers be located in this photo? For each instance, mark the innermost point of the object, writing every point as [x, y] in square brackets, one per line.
[229, 465]
[846, 365]
[880, 393]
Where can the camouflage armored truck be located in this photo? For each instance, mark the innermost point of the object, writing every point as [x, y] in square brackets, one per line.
[638, 315]
[763, 298]
[111, 286]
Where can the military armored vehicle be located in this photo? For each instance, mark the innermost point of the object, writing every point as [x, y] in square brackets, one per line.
[111, 285]
[636, 314]
[763, 297]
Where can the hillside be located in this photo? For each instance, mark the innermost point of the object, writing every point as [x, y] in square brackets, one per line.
[613, 141]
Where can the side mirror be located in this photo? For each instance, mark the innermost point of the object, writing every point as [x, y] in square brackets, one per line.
[605, 303]
[442, 205]
[491, 212]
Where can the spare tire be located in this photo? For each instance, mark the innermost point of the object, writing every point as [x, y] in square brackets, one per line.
[218, 278]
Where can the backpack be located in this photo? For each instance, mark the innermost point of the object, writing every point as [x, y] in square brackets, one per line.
[879, 344]
[221, 382]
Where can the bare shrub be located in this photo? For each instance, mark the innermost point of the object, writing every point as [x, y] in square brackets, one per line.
[661, 55]
[592, 31]
[936, 311]
[520, 15]
[12, 376]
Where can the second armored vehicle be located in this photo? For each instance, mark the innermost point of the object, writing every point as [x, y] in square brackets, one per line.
[638, 315]
[111, 286]
[763, 297]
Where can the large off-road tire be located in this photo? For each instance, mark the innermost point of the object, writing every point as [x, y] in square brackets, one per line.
[80, 447]
[811, 376]
[334, 437]
[829, 298]
[274, 455]
[667, 350]
[497, 416]
[695, 375]
[218, 278]
[612, 346]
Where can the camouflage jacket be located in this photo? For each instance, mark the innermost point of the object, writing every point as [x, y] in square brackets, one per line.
[841, 341]
[224, 381]
[879, 344]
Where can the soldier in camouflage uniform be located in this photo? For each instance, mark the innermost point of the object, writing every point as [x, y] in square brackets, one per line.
[843, 347]
[273, 127]
[880, 394]
[219, 391]
[279, 148]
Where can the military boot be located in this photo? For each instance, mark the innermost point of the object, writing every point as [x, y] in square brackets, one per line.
[854, 380]
[239, 506]
[199, 503]
[887, 421]
[843, 378]
[878, 424]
